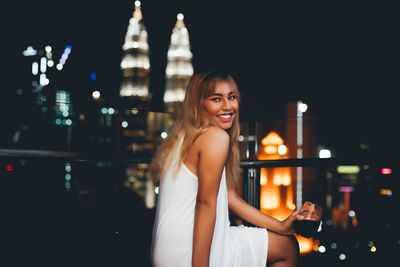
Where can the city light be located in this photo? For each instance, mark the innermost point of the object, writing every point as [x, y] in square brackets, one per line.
[324, 153]
[64, 57]
[43, 64]
[346, 189]
[43, 79]
[386, 171]
[386, 192]
[111, 111]
[286, 180]
[104, 110]
[68, 167]
[29, 51]
[96, 94]
[35, 68]
[282, 149]
[124, 124]
[277, 180]
[302, 107]
[348, 169]
[93, 76]
[271, 149]
[9, 168]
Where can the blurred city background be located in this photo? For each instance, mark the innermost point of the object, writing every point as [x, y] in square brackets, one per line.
[89, 91]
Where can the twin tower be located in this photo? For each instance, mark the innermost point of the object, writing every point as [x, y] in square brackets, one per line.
[135, 63]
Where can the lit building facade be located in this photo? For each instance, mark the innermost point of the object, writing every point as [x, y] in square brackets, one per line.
[134, 90]
[284, 189]
[179, 68]
[140, 130]
[276, 198]
[135, 63]
[47, 100]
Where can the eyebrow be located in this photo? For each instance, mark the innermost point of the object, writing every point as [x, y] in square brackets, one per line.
[218, 94]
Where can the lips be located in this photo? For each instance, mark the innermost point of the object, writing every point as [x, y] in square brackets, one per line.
[225, 116]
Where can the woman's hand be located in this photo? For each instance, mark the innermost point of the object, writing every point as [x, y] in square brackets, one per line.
[288, 223]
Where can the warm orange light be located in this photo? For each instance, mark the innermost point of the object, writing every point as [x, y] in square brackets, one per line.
[272, 139]
[354, 221]
[263, 180]
[306, 244]
[277, 180]
[286, 180]
[290, 205]
[385, 192]
[271, 149]
[277, 200]
[263, 177]
[269, 199]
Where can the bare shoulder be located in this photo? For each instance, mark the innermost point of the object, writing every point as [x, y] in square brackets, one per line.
[213, 139]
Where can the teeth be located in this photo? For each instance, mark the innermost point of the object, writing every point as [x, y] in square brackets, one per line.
[225, 116]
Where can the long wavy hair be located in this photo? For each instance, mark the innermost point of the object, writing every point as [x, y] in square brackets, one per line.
[192, 120]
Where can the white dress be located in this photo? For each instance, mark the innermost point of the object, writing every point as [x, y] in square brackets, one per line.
[232, 246]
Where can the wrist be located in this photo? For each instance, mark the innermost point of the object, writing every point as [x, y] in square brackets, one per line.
[287, 226]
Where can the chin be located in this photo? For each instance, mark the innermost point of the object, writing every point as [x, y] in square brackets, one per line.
[225, 127]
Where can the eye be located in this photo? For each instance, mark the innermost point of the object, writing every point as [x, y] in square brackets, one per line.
[232, 97]
[216, 99]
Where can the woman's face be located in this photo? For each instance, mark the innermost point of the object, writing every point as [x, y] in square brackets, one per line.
[222, 106]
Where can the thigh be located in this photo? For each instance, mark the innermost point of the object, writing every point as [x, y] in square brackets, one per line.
[281, 246]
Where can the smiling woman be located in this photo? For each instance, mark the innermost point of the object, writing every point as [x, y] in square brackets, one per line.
[196, 167]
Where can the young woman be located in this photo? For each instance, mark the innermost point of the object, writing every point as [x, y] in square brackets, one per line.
[196, 168]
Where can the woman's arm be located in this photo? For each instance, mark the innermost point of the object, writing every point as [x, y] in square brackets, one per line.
[249, 213]
[213, 148]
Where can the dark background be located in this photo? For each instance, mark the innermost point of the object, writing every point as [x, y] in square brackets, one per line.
[339, 57]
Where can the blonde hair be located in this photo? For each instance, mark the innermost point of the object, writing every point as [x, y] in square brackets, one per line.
[192, 120]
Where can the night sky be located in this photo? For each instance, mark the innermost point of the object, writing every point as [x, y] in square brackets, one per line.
[339, 57]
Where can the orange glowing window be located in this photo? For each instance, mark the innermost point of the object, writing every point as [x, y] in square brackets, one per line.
[272, 139]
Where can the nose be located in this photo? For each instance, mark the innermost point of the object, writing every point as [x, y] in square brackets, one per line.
[226, 105]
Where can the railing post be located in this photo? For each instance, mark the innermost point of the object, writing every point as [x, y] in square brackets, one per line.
[251, 186]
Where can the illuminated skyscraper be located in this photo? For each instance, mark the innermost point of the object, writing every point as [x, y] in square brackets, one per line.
[135, 62]
[134, 90]
[179, 67]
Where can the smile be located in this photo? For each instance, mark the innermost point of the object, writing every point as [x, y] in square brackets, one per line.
[225, 116]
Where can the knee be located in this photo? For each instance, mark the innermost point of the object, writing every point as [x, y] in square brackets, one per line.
[283, 248]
